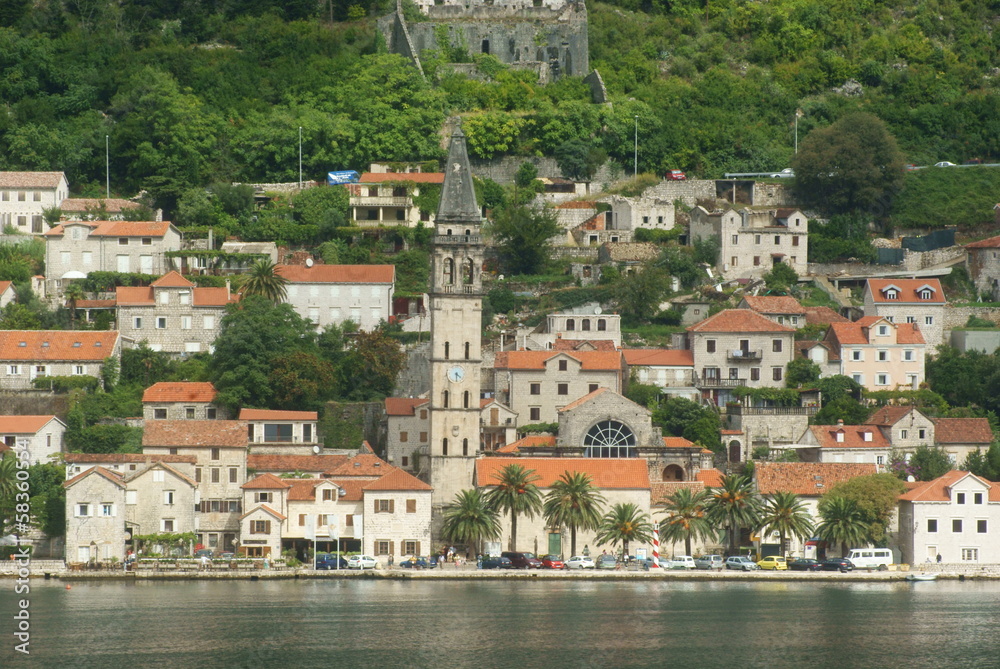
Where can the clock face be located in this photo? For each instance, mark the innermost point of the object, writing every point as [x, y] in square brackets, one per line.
[456, 374]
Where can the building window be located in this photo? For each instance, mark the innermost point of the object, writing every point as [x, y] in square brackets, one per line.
[562, 365]
[911, 319]
[733, 261]
[981, 526]
[423, 437]
[404, 437]
[756, 239]
[859, 379]
[883, 330]
[776, 346]
[970, 555]
[710, 346]
[189, 413]
[736, 240]
[880, 459]
[795, 241]
[234, 473]
[921, 433]
[168, 497]
[756, 261]
[406, 461]
[382, 547]
[161, 323]
[609, 439]
[881, 379]
[960, 498]
[123, 241]
[82, 510]
[158, 476]
[215, 475]
[210, 413]
[592, 387]
[215, 453]
[444, 446]
[185, 322]
[926, 294]
[903, 434]
[535, 413]
[755, 373]
[562, 389]
[570, 324]
[908, 355]
[776, 373]
[137, 322]
[931, 525]
[265, 497]
[956, 525]
[108, 510]
[777, 240]
[260, 527]
[167, 525]
[536, 389]
[928, 320]
[977, 498]
[857, 356]
[197, 474]
[411, 548]
[883, 355]
[385, 505]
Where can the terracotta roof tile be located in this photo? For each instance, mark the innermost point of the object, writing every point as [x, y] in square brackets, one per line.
[172, 279]
[678, 442]
[30, 179]
[82, 345]
[397, 480]
[962, 431]
[403, 406]
[583, 400]
[266, 508]
[859, 331]
[338, 273]
[266, 482]
[823, 316]
[589, 360]
[294, 463]
[362, 464]
[180, 391]
[606, 473]
[990, 243]
[221, 433]
[738, 320]
[114, 477]
[4, 285]
[302, 490]
[658, 357]
[353, 488]
[529, 441]
[661, 491]
[95, 304]
[908, 291]
[889, 415]
[561, 344]
[210, 296]
[854, 436]
[127, 458]
[402, 177]
[712, 478]
[117, 228]
[937, 490]
[127, 295]
[23, 424]
[269, 414]
[807, 478]
[775, 304]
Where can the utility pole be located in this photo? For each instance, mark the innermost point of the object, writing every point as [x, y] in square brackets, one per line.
[300, 157]
[107, 166]
[635, 157]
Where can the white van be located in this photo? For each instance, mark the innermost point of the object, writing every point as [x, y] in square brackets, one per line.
[871, 558]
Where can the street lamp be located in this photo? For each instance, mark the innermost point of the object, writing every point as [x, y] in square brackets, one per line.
[107, 167]
[300, 157]
[635, 157]
[798, 114]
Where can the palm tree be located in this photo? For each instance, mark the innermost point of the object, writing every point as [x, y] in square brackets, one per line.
[515, 493]
[265, 281]
[574, 501]
[625, 523]
[734, 505]
[74, 293]
[687, 517]
[8, 485]
[786, 513]
[469, 520]
[842, 522]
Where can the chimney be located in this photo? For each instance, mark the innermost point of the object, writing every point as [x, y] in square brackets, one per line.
[840, 422]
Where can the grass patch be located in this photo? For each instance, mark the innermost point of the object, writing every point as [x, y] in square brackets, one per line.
[944, 196]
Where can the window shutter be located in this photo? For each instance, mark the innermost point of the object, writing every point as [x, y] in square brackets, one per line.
[411, 506]
[267, 527]
[418, 548]
[302, 520]
[350, 520]
[392, 506]
[392, 548]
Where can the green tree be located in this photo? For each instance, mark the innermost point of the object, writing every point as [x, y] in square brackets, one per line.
[8, 488]
[573, 501]
[515, 492]
[639, 294]
[469, 520]
[16, 316]
[371, 365]
[852, 165]
[680, 417]
[841, 522]
[786, 513]
[523, 237]
[801, 372]
[579, 159]
[876, 498]
[625, 522]
[846, 409]
[930, 462]
[265, 281]
[687, 517]
[73, 294]
[734, 506]
[781, 279]
[301, 380]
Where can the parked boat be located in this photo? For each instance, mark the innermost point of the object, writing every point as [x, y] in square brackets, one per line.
[921, 577]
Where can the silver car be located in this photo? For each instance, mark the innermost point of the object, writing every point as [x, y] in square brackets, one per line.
[741, 563]
[709, 562]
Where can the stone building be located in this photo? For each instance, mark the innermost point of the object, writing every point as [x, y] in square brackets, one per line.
[173, 315]
[26, 355]
[586, 322]
[24, 197]
[844, 443]
[41, 436]
[86, 209]
[878, 353]
[387, 198]
[916, 302]
[633, 213]
[782, 309]
[160, 499]
[181, 400]
[332, 294]
[983, 264]
[672, 370]
[752, 242]
[125, 463]
[272, 432]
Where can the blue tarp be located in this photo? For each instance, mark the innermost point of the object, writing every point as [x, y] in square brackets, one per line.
[342, 177]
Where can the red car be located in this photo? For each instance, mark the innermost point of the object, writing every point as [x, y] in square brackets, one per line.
[552, 562]
[675, 175]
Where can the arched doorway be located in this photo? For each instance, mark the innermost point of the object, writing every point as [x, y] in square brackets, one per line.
[735, 451]
[673, 473]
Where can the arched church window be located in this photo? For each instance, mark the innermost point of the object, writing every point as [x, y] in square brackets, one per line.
[467, 272]
[449, 271]
[609, 439]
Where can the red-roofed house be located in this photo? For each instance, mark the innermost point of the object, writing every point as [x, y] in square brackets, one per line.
[28, 354]
[40, 436]
[386, 199]
[959, 437]
[7, 294]
[180, 400]
[739, 347]
[620, 480]
[752, 242]
[105, 209]
[955, 516]
[878, 353]
[76, 248]
[919, 302]
[844, 443]
[670, 369]
[24, 197]
[905, 427]
[782, 309]
[281, 432]
[172, 314]
[332, 294]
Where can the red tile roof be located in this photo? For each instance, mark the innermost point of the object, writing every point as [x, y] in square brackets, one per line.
[859, 331]
[269, 414]
[908, 291]
[606, 473]
[529, 441]
[990, 243]
[807, 478]
[114, 477]
[127, 295]
[95, 304]
[302, 490]
[30, 179]
[658, 357]
[51, 345]
[4, 285]
[200, 297]
[172, 279]
[589, 360]
[826, 436]
[823, 316]
[962, 431]
[775, 304]
[73, 205]
[583, 400]
[266, 482]
[561, 344]
[712, 478]
[127, 458]
[937, 490]
[403, 406]
[264, 507]
[678, 442]
[180, 391]
[338, 273]
[294, 463]
[362, 464]
[402, 177]
[221, 433]
[889, 415]
[661, 491]
[116, 228]
[397, 480]
[23, 424]
[738, 320]
[352, 488]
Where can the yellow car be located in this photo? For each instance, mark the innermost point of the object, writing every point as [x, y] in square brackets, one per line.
[773, 562]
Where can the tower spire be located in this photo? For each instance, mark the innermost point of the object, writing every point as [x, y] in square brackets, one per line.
[458, 197]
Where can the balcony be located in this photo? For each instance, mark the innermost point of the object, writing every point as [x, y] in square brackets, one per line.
[457, 239]
[463, 289]
[715, 382]
[740, 355]
[740, 410]
[380, 201]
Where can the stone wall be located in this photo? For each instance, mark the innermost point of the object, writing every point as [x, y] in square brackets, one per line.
[984, 341]
[688, 192]
[769, 430]
[415, 378]
[957, 317]
[34, 403]
[771, 195]
[502, 170]
[912, 261]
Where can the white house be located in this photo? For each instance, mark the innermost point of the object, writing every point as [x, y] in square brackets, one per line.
[25, 195]
[7, 294]
[42, 436]
[28, 354]
[332, 294]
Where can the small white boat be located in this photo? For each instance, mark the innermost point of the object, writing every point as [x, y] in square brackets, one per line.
[921, 577]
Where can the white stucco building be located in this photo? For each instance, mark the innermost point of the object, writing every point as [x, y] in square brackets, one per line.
[332, 294]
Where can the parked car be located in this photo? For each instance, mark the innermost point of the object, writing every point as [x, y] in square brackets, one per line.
[804, 564]
[204, 552]
[786, 173]
[973, 161]
[773, 562]
[741, 563]
[552, 562]
[910, 167]
[227, 556]
[328, 561]
[944, 163]
[522, 560]
[495, 562]
[606, 561]
[675, 175]
[709, 562]
[682, 562]
[580, 562]
[416, 563]
[362, 562]
[837, 564]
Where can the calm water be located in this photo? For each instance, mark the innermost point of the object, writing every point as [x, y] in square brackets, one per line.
[375, 624]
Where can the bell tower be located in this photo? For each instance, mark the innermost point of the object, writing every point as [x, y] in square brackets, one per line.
[456, 295]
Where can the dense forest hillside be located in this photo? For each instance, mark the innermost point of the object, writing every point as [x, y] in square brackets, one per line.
[217, 91]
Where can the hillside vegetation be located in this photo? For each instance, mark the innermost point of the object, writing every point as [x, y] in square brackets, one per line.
[218, 91]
